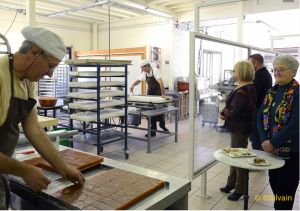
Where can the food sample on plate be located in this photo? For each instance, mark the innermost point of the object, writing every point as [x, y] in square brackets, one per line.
[259, 161]
[238, 152]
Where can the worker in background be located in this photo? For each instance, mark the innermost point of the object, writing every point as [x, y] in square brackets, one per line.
[38, 55]
[152, 76]
[262, 82]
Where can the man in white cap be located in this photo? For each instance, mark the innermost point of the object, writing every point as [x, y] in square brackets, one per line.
[152, 76]
[38, 55]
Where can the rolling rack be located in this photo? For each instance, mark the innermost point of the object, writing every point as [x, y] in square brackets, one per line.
[95, 109]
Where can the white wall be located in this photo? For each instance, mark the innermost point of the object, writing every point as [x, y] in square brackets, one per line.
[156, 32]
[75, 34]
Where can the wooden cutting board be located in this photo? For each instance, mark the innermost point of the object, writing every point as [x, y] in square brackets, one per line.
[79, 160]
[114, 189]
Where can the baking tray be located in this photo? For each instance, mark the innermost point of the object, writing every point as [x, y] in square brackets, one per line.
[77, 159]
[89, 106]
[104, 114]
[92, 116]
[94, 84]
[147, 99]
[94, 73]
[93, 94]
[114, 189]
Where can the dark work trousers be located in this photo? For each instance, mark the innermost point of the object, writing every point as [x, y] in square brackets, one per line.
[154, 89]
[254, 137]
[238, 177]
[284, 182]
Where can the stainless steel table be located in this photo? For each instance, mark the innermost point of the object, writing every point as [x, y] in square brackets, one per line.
[149, 114]
[242, 162]
[173, 196]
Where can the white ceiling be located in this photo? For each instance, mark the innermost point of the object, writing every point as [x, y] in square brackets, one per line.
[88, 11]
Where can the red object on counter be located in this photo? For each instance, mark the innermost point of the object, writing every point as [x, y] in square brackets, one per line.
[26, 152]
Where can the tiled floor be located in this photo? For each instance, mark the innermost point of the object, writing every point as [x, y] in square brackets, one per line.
[172, 158]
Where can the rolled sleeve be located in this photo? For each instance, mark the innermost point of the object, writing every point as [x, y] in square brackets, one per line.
[142, 76]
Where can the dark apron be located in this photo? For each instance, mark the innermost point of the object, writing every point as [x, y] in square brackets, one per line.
[9, 131]
[154, 89]
[153, 86]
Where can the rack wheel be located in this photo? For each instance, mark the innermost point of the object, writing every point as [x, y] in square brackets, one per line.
[101, 149]
[126, 156]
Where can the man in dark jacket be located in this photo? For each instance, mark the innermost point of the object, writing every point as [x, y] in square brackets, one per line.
[262, 82]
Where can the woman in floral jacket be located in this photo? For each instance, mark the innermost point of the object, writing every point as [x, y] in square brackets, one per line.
[278, 126]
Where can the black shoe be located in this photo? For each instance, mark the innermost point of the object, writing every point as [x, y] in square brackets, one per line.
[152, 135]
[234, 196]
[226, 189]
[164, 128]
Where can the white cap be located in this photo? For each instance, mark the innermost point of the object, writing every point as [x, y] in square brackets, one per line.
[145, 62]
[50, 42]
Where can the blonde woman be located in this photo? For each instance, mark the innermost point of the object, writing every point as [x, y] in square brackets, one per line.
[239, 116]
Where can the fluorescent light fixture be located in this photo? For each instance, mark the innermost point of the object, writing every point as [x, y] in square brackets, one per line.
[139, 7]
[82, 7]
[158, 13]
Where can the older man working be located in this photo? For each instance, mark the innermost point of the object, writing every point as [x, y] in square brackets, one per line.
[38, 55]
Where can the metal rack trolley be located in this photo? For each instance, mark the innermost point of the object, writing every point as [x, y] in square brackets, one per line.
[101, 125]
[4, 42]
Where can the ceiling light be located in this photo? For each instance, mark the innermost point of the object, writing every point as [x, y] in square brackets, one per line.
[158, 13]
[82, 7]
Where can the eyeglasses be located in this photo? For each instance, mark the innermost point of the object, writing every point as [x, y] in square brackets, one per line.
[50, 66]
[280, 70]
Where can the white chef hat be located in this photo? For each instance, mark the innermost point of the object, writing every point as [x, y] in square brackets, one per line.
[145, 62]
[50, 42]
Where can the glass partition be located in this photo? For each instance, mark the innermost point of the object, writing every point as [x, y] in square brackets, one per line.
[211, 68]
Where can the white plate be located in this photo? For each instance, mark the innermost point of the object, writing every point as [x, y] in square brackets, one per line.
[251, 161]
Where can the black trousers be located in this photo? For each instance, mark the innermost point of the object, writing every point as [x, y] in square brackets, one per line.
[254, 137]
[284, 182]
[238, 176]
[160, 119]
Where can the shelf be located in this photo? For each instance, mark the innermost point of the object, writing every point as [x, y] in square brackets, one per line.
[92, 106]
[93, 94]
[94, 73]
[94, 84]
[102, 62]
[92, 116]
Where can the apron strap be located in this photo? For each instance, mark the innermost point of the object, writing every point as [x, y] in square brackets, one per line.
[11, 62]
[4, 181]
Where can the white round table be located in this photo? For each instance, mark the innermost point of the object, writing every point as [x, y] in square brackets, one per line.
[242, 162]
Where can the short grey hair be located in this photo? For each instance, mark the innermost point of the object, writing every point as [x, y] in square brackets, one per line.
[26, 46]
[289, 60]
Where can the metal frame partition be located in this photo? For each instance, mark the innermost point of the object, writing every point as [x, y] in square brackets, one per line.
[192, 69]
